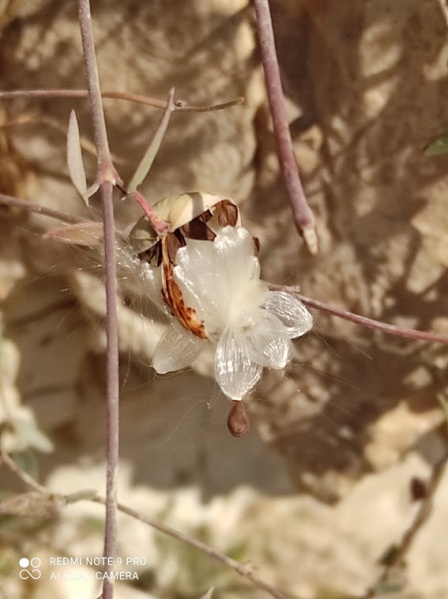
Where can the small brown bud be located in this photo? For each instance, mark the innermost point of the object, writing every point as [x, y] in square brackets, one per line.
[238, 420]
[418, 488]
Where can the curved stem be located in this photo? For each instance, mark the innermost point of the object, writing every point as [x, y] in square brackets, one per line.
[389, 329]
[302, 213]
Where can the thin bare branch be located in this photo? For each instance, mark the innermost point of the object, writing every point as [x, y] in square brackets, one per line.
[302, 213]
[397, 561]
[180, 106]
[389, 329]
[6, 200]
[242, 570]
[159, 225]
[20, 473]
[107, 178]
[105, 166]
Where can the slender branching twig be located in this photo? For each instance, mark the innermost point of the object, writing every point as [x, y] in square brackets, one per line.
[20, 473]
[89, 495]
[6, 200]
[244, 571]
[180, 105]
[302, 213]
[401, 551]
[107, 177]
[397, 561]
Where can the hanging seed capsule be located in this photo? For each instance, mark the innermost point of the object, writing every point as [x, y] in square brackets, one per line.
[238, 420]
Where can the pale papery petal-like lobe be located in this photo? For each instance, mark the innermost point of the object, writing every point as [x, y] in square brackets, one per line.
[235, 371]
[270, 345]
[235, 247]
[290, 311]
[211, 276]
[177, 349]
[199, 278]
[139, 277]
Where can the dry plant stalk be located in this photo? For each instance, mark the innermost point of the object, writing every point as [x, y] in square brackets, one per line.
[107, 177]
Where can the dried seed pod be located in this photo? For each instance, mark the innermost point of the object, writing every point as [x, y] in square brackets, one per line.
[225, 213]
[179, 210]
[170, 289]
[187, 210]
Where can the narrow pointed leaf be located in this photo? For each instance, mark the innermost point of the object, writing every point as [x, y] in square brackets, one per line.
[74, 158]
[437, 146]
[150, 154]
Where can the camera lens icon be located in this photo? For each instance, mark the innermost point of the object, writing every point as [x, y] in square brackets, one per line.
[30, 568]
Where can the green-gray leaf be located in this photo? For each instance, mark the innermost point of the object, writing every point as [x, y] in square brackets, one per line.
[437, 146]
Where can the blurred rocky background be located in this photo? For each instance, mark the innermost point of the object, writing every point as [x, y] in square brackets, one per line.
[319, 490]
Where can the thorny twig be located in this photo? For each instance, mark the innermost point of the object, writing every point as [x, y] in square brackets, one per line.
[241, 569]
[302, 213]
[106, 177]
